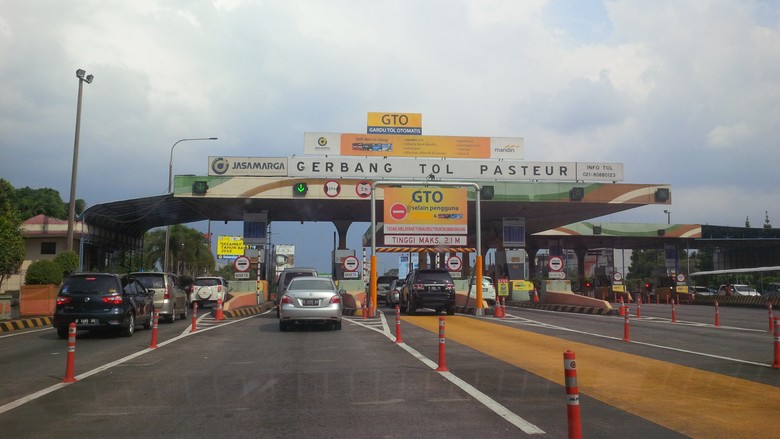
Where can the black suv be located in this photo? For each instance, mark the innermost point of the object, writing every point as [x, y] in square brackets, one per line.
[428, 288]
[97, 301]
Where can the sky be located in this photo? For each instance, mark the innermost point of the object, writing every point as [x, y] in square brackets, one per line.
[681, 92]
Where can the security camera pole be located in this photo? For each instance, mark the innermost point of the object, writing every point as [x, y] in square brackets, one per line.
[72, 205]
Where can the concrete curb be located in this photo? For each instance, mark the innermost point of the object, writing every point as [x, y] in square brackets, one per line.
[34, 322]
[565, 308]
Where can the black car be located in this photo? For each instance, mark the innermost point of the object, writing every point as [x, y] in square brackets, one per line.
[428, 288]
[103, 301]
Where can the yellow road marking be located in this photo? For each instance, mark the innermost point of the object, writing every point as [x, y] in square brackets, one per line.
[687, 400]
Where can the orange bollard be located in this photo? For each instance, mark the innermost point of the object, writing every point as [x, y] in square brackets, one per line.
[503, 307]
[626, 330]
[70, 366]
[370, 308]
[220, 312]
[442, 352]
[194, 316]
[536, 296]
[639, 308]
[776, 364]
[398, 338]
[572, 395]
[717, 315]
[771, 318]
[155, 319]
[674, 313]
[363, 311]
[622, 310]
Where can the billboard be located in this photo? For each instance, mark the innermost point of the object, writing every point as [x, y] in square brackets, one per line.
[228, 246]
[389, 145]
[425, 210]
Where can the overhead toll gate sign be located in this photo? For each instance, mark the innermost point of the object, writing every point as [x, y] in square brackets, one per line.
[389, 145]
[425, 216]
[409, 124]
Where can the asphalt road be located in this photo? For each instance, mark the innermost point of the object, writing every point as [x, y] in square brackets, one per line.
[244, 378]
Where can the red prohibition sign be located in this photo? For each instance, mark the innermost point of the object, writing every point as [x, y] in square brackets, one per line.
[398, 211]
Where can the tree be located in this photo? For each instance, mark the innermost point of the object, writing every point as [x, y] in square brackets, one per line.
[43, 272]
[68, 261]
[189, 252]
[11, 237]
[644, 263]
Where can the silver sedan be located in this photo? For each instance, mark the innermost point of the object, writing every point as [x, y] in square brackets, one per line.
[310, 299]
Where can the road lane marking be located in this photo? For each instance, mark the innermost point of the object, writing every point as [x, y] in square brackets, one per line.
[35, 395]
[660, 391]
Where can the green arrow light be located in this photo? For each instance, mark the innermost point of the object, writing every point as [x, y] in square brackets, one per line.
[300, 189]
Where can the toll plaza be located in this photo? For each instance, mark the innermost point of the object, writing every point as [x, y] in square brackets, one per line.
[521, 206]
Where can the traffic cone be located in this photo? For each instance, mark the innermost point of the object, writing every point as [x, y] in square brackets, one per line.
[536, 296]
[220, 312]
[622, 309]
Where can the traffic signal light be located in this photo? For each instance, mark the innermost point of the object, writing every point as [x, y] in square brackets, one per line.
[587, 284]
[200, 187]
[300, 189]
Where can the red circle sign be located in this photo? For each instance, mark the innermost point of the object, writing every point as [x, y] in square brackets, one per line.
[555, 263]
[350, 263]
[454, 263]
[241, 263]
[398, 211]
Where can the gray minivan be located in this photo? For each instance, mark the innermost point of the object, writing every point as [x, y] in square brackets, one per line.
[169, 296]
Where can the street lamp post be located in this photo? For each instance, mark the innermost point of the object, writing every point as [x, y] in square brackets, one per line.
[668, 216]
[72, 206]
[170, 187]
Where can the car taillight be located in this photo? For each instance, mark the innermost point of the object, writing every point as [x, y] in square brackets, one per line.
[448, 286]
[61, 300]
[219, 288]
[418, 286]
[286, 299]
[167, 292]
[113, 300]
[335, 299]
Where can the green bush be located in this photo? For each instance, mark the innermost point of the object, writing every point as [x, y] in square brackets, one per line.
[43, 272]
[68, 261]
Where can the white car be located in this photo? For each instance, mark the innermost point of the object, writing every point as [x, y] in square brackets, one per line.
[488, 290]
[737, 290]
[208, 289]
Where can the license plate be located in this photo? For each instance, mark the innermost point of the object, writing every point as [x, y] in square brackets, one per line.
[434, 288]
[86, 321]
[311, 302]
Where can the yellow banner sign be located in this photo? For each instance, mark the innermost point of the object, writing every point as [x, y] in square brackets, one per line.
[395, 123]
[230, 246]
[425, 210]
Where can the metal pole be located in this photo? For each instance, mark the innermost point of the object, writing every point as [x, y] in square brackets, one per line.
[74, 171]
[170, 185]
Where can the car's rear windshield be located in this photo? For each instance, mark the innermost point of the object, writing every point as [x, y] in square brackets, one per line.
[385, 279]
[438, 276]
[311, 284]
[293, 274]
[151, 280]
[207, 282]
[102, 285]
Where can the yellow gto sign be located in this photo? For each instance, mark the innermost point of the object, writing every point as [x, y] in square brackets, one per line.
[425, 210]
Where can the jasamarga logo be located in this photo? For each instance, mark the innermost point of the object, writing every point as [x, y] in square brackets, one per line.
[220, 165]
[262, 166]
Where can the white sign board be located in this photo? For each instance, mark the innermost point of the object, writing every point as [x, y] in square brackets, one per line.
[241, 275]
[422, 240]
[556, 275]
